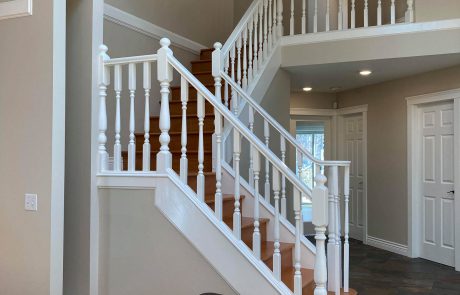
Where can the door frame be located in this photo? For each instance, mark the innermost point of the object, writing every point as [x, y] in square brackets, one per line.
[414, 183]
[337, 116]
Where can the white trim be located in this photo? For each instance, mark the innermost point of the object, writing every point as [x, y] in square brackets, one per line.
[329, 112]
[146, 28]
[413, 169]
[387, 245]
[386, 30]
[15, 8]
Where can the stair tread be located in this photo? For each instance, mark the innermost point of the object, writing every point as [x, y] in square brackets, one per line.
[188, 115]
[268, 247]
[225, 198]
[207, 85]
[287, 276]
[202, 61]
[245, 222]
[202, 73]
[180, 132]
[174, 152]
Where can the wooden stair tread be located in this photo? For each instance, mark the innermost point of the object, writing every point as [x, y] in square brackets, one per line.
[180, 132]
[180, 116]
[171, 151]
[287, 276]
[201, 61]
[210, 200]
[246, 222]
[268, 247]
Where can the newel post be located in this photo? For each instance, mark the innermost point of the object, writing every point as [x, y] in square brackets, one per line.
[104, 81]
[320, 221]
[165, 75]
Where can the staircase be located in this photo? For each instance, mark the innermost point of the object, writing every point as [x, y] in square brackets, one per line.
[201, 69]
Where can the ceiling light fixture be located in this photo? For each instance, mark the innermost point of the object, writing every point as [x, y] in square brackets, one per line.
[365, 72]
[307, 89]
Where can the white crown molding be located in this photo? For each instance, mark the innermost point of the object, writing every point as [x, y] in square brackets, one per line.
[388, 245]
[15, 8]
[328, 112]
[146, 28]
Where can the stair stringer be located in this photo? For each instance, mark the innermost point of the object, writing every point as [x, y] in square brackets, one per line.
[287, 230]
[230, 257]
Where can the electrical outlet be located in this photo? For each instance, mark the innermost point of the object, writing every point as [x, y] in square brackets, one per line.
[31, 202]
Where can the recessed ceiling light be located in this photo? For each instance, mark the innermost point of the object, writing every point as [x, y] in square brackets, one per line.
[365, 72]
[307, 89]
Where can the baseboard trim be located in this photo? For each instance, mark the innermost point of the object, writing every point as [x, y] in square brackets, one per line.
[388, 246]
[146, 28]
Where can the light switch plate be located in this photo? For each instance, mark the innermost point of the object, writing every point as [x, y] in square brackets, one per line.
[31, 202]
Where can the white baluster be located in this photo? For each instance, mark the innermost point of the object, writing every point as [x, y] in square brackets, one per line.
[250, 48]
[256, 239]
[200, 176]
[320, 221]
[270, 26]
[297, 249]
[338, 237]
[366, 13]
[393, 12]
[267, 163]
[184, 94]
[146, 146]
[265, 45]
[328, 6]
[279, 19]
[132, 122]
[304, 17]
[164, 75]
[236, 158]
[299, 163]
[291, 20]
[346, 250]
[275, 29]
[234, 94]
[379, 13]
[340, 16]
[227, 65]
[410, 11]
[239, 44]
[245, 60]
[283, 178]
[261, 34]
[216, 66]
[104, 81]
[276, 236]
[118, 86]
[332, 234]
[353, 14]
[256, 42]
[315, 18]
[251, 128]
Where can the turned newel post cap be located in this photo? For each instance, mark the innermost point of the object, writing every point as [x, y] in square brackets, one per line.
[103, 48]
[320, 179]
[165, 42]
[217, 45]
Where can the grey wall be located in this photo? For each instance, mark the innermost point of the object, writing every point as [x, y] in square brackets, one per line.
[428, 10]
[387, 151]
[313, 100]
[136, 236]
[32, 100]
[204, 21]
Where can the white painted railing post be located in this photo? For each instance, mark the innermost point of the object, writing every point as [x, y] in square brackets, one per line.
[251, 160]
[276, 236]
[340, 16]
[265, 45]
[239, 45]
[279, 20]
[184, 93]
[379, 13]
[366, 13]
[200, 177]
[245, 59]
[255, 63]
[332, 233]
[118, 86]
[216, 66]
[291, 20]
[165, 76]
[226, 94]
[256, 240]
[146, 147]
[283, 178]
[393, 12]
[338, 237]
[132, 120]
[236, 160]
[275, 15]
[304, 16]
[261, 34]
[270, 25]
[267, 163]
[250, 48]
[346, 250]
[353, 14]
[315, 18]
[328, 20]
[297, 249]
[320, 221]
[234, 100]
[104, 81]
[410, 11]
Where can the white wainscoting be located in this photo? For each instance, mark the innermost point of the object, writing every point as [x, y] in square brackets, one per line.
[388, 245]
[144, 27]
[15, 8]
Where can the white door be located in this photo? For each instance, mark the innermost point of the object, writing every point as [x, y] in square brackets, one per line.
[353, 149]
[437, 142]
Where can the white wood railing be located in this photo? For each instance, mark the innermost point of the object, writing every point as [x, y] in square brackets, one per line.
[281, 176]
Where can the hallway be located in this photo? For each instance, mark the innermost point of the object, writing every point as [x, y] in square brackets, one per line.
[378, 272]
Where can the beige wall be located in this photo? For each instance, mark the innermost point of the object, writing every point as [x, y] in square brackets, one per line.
[136, 235]
[204, 21]
[387, 146]
[429, 10]
[32, 150]
[313, 100]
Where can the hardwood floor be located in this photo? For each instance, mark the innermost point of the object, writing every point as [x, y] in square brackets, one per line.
[378, 272]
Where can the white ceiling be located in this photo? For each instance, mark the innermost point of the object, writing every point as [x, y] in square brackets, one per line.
[346, 75]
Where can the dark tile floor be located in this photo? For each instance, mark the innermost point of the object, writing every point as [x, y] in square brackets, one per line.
[378, 272]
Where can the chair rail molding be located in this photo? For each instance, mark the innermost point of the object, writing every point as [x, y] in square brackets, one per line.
[15, 8]
[146, 28]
